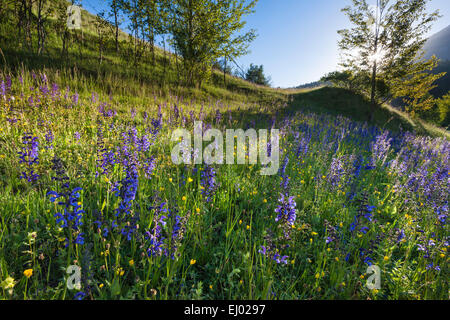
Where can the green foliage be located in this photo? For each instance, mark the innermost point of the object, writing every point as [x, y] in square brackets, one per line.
[204, 30]
[443, 84]
[341, 79]
[223, 67]
[357, 82]
[385, 42]
[256, 75]
[415, 88]
[443, 105]
[103, 29]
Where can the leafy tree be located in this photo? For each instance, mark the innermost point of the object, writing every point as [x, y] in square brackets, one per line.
[415, 89]
[342, 79]
[385, 42]
[204, 30]
[8, 21]
[223, 67]
[235, 46]
[443, 105]
[256, 75]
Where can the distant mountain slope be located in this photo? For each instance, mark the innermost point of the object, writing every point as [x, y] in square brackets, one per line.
[443, 84]
[439, 45]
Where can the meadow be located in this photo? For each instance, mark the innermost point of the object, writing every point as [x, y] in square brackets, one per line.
[86, 180]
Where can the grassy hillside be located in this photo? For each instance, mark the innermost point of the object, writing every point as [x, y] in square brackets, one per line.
[115, 72]
[82, 71]
[86, 179]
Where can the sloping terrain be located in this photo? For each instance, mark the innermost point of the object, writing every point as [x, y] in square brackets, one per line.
[439, 45]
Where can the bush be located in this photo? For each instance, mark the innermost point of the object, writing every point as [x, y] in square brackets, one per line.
[256, 75]
[443, 105]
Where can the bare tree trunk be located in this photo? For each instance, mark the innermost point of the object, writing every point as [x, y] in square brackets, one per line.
[373, 84]
[40, 26]
[373, 103]
[28, 25]
[24, 23]
[80, 39]
[100, 47]
[224, 71]
[116, 25]
[64, 44]
[164, 61]
[152, 44]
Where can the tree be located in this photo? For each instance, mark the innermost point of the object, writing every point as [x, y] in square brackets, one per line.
[155, 18]
[204, 30]
[135, 11]
[256, 75]
[61, 26]
[385, 41]
[443, 105]
[342, 79]
[235, 46]
[43, 13]
[114, 15]
[415, 89]
[8, 16]
[223, 67]
[103, 29]
[25, 20]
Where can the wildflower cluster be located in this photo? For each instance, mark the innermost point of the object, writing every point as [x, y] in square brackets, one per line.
[30, 157]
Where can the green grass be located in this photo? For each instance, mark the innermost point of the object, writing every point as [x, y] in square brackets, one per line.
[217, 256]
[116, 73]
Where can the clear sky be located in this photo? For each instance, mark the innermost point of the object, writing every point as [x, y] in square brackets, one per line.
[297, 39]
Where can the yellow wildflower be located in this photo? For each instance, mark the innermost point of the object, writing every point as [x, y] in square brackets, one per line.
[28, 273]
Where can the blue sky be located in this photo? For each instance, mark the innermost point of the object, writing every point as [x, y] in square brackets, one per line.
[297, 39]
